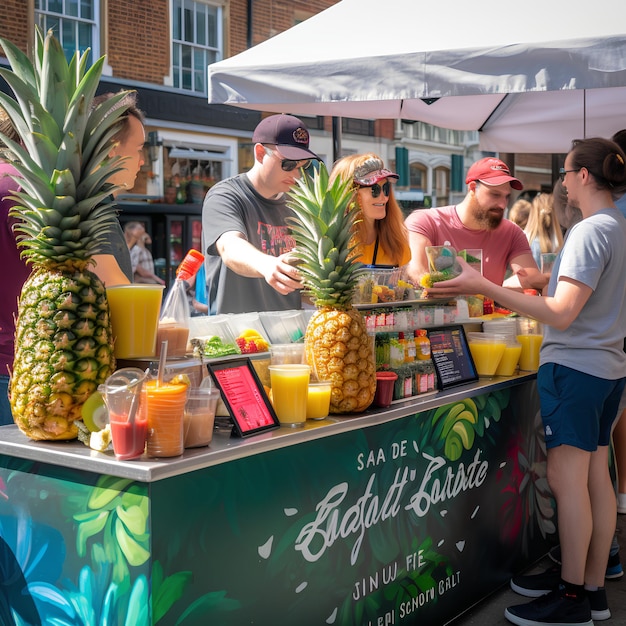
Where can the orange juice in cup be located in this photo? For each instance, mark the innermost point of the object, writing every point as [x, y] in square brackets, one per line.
[510, 359]
[529, 357]
[318, 400]
[290, 389]
[165, 404]
[134, 317]
[487, 351]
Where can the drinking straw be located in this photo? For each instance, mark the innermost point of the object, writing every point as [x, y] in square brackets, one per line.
[162, 359]
[134, 403]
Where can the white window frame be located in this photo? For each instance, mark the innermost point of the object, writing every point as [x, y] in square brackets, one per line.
[190, 42]
[42, 14]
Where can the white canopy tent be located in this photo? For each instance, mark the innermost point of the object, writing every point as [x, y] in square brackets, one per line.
[530, 77]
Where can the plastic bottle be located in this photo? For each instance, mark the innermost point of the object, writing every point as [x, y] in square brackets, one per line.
[174, 320]
[422, 345]
[190, 265]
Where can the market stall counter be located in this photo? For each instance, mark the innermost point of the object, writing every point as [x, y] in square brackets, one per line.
[404, 515]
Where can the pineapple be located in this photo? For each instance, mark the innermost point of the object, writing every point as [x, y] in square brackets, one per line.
[337, 345]
[63, 338]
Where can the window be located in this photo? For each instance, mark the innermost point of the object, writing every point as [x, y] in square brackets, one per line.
[74, 23]
[196, 43]
[417, 176]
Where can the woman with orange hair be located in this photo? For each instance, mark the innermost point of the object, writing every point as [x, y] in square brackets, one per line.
[380, 233]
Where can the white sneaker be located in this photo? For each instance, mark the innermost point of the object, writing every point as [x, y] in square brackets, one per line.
[621, 503]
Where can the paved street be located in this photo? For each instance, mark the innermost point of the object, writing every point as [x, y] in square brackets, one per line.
[491, 611]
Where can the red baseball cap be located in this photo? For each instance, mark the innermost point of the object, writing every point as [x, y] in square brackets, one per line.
[492, 171]
[287, 133]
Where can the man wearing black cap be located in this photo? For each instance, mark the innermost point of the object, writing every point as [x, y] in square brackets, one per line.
[477, 223]
[244, 232]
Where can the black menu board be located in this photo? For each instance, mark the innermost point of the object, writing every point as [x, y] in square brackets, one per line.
[451, 356]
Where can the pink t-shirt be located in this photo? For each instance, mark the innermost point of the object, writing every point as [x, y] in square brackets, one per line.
[500, 246]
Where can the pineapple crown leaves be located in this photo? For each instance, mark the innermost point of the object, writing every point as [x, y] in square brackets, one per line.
[62, 158]
[323, 230]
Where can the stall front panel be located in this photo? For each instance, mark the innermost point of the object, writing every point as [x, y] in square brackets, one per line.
[411, 520]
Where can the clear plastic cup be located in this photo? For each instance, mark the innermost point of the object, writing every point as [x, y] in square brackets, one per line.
[487, 351]
[135, 317]
[127, 412]
[530, 335]
[510, 359]
[290, 388]
[165, 404]
[199, 416]
[282, 353]
[318, 400]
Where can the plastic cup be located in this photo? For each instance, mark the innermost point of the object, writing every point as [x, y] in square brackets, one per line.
[135, 317]
[165, 404]
[199, 416]
[318, 400]
[474, 258]
[176, 336]
[547, 262]
[530, 335]
[284, 353]
[510, 358]
[487, 351]
[385, 382]
[127, 412]
[290, 389]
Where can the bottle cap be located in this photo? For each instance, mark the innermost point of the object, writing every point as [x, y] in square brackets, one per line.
[190, 265]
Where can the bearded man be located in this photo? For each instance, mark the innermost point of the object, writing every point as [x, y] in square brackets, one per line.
[478, 223]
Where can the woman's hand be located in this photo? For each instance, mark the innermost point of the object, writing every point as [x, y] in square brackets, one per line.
[468, 282]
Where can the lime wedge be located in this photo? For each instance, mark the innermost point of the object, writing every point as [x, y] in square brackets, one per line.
[94, 412]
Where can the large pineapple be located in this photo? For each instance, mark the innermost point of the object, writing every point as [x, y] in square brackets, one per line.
[337, 345]
[63, 339]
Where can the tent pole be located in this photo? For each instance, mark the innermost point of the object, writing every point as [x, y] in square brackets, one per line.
[336, 138]
[585, 113]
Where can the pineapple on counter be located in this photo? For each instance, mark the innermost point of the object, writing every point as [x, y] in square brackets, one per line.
[337, 345]
[63, 338]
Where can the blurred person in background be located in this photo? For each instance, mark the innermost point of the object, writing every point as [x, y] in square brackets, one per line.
[543, 230]
[380, 232]
[140, 257]
[519, 211]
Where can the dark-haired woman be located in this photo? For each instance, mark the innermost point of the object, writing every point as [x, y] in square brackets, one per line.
[580, 379]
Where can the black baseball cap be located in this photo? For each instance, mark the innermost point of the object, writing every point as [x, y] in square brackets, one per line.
[287, 133]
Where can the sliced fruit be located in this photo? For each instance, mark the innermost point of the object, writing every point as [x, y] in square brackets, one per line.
[94, 412]
[181, 379]
[101, 439]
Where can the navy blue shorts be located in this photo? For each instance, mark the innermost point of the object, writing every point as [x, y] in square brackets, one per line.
[577, 409]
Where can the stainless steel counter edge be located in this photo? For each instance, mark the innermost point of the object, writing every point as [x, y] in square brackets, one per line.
[224, 448]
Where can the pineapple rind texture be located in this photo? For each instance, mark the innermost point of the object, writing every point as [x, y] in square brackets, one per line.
[64, 210]
[63, 351]
[339, 349]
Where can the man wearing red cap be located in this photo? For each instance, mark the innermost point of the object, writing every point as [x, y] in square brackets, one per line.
[244, 232]
[478, 223]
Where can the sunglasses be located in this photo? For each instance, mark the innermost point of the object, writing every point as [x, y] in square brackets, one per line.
[376, 189]
[288, 165]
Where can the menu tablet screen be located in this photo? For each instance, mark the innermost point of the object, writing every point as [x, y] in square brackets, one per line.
[244, 397]
[451, 355]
